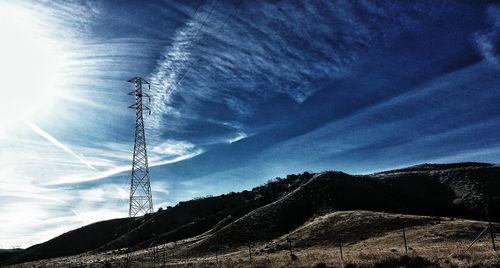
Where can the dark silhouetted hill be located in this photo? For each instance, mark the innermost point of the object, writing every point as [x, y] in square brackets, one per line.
[464, 190]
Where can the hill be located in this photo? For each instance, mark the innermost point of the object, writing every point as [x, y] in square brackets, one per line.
[284, 206]
[8, 253]
[369, 239]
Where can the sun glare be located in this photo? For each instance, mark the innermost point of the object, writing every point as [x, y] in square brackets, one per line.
[29, 63]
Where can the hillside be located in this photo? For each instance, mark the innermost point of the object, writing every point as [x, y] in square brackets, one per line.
[369, 239]
[8, 253]
[285, 205]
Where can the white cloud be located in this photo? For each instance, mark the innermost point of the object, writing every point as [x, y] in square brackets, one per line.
[174, 148]
[486, 48]
[168, 152]
[84, 176]
[160, 187]
[103, 193]
[239, 136]
[484, 40]
[493, 15]
[26, 220]
[56, 142]
[172, 68]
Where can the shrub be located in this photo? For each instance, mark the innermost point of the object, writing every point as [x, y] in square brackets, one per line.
[405, 261]
[320, 265]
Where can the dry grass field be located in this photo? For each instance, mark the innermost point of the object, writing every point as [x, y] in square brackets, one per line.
[370, 239]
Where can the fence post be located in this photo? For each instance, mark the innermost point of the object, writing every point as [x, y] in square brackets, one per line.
[492, 234]
[289, 240]
[217, 256]
[164, 256]
[250, 253]
[129, 257]
[404, 238]
[340, 248]
[157, 256]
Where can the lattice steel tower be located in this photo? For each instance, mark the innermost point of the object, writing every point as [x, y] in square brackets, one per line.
[141, 200]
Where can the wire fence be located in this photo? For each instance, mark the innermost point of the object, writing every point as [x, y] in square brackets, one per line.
[405, 241]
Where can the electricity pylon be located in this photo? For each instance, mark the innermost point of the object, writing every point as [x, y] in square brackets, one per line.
[141, 200]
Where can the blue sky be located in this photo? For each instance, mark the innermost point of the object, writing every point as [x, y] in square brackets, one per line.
[242, 92]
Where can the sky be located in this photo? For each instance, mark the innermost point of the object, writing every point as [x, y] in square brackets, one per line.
[242, 92]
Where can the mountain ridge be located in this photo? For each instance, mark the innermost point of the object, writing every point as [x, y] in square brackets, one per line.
[466, 190]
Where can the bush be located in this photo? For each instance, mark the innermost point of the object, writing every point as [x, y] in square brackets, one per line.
[405, 261]
[320, 265]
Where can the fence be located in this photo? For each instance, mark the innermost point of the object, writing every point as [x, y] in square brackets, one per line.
[179, 255]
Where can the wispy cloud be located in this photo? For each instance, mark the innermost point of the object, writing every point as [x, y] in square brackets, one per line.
[486, 48]
[277, 61]
[57, 143]
[239, 136]
[172, 66]
[168, 152]
[485, 40]
[78, 178]
[173, 148]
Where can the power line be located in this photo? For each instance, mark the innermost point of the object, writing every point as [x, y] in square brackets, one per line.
[202, 24]
[216, 33]
[198, 7]
[205, 20]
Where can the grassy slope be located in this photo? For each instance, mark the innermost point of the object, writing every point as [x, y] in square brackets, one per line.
[369, 239]
[269, 211]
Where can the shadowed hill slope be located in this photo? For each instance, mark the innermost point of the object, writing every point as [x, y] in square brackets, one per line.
[467, 190]
[8, 253]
